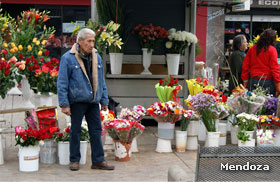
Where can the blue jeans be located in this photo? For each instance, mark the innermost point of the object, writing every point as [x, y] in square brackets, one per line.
[92, 113]
[269, 84]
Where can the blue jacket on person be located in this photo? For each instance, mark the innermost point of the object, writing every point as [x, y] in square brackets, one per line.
[73, 83]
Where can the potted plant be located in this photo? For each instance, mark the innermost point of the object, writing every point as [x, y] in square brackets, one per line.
[265, 138]
[123, 132]
[150, 38]
[247, 122]
[244, 139]
[177, 42]
[28, 141]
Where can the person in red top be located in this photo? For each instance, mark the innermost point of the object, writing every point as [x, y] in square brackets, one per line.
[260, 64]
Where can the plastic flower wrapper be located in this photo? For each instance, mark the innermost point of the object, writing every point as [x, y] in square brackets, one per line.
[247, 121]
[110, 128]
[134, 114]
[168, 89]
[136, 130]
[198, 85]
[265, 136]
[245, 101]
[106, 116]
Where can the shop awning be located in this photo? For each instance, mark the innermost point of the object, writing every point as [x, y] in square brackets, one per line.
[49, 2]
[219, 3]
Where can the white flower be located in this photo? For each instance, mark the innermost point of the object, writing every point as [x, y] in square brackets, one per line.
[168, 44]
[171, 31]
[41, 142]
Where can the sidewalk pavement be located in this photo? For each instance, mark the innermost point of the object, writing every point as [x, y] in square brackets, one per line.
[147, 165]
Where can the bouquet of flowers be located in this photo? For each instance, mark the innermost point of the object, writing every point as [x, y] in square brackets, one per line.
[198, 85]
[166, 112]
[106, 116]
[246, 121]
[150, 36]
[178, 41]
[189, 115]
[27, 137]
[267, 122]
[134, 114]
[50, 132]
[270, 105]
[265, 136]
[245, 101]
[124, 130]
[63, 136]
[168, 89]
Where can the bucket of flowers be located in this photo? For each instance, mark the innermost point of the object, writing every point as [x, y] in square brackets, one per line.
[28, 140]
[135, 115]
[105, 117]
[62, 139]
[266, 126]
[122, 132]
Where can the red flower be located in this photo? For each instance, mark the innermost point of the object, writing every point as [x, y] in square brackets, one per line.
[205, 82]
[198, 79]
[7, 72]
[161, 82]
[47, 53]
[67, 130]
[20, 56]
[224, 98]
[4, 51]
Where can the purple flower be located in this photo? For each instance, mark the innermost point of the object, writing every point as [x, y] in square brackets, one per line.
[270, 106]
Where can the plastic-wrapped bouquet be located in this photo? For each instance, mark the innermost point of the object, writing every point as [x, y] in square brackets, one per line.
[198, 85]
[168, 89]
[106, 116]
[124, 130]
[166, 112]
[134, 114]
[247, 121]
[245, 101]
[270, 105]
[189, 115]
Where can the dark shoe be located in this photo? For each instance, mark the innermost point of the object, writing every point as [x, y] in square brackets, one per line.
[74, 166]
[102, 165]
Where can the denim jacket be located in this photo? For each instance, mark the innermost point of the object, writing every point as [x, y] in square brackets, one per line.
[73, 84]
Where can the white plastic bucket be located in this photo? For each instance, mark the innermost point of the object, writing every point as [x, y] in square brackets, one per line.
[212, 139]
[193, 128]
[29, 158]
[181, 141]
[173, 61]
[134, 147]
[201, 131]
[166, 130]
[223, 135]
[163, 145]
[63, 153]
[83, 151]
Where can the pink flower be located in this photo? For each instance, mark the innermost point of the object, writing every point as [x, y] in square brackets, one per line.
[45, 69]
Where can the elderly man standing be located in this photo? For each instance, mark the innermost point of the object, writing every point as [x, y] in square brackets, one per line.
[81, 87]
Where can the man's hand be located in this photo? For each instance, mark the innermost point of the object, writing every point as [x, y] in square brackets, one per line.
[66, 110]
[104, 107]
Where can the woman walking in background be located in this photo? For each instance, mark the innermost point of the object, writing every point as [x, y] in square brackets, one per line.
[260, 64]
[239, 46]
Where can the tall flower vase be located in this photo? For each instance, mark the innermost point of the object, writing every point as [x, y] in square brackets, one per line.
[116, 60]
[27, 93]
[43, 99]
[48, 152]
[147, 59]
[29, 158]
[63, 153]
[165, 135]
[83, 150]
[173, 61]
[122, 151]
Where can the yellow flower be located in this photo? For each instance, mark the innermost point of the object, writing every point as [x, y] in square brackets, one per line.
[44, 42]
[104, 35]
[250, 44]
[187, 102]
[262, 120]
[37, 42]
[162, 105]
[12, 50]
[110, 40]
[119, 43]
[34, 40]
[15, 49]
[277, 38]
[40, 53]
[13, 45]
[5, 44]
[257, 38]
[29, 48]
[20, 47]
